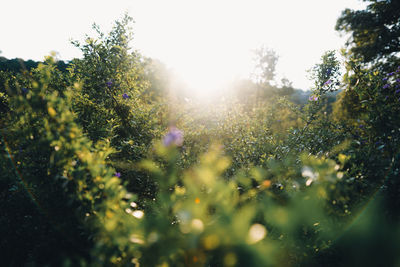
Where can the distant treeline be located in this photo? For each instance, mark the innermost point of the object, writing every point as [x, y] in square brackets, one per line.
[18, 65]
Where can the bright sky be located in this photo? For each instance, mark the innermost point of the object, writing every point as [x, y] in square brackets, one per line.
[206, 42]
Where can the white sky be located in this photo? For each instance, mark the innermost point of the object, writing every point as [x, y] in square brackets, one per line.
[206, 42]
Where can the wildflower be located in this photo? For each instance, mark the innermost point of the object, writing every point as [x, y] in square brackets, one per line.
[385, 79]
[397, 91]
[386, 86]
[117, 174]
[313, 98]
[173, 137]
[329, 71]
[398, 80]
[24, 90]
[328, 82]
[109, 83]
[390, 73]
[125, 96]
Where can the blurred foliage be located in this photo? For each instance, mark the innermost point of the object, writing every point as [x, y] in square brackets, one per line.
[102, 165]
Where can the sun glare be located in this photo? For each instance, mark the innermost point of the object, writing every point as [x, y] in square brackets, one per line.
[207, 72]
[210, 43]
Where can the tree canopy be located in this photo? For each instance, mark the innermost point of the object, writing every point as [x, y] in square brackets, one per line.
[374, 33]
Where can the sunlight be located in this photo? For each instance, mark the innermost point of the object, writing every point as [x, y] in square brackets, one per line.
[210, 43]
[205, 53]
[205, 74]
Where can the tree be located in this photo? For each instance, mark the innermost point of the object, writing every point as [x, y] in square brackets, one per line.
[266, 60]
[113, 85]
[369, 107]
[374, 33]
[373, 46]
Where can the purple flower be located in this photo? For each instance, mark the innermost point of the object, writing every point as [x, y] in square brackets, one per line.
[386, 86]
[313, 98]
[385, 79]
[109, 84]
[117, 174]
[24, 90]
[397, 91]
[398, 80]
[173, 137]
[328, 72]
[125, 96]
[328, 82]
[390, 73]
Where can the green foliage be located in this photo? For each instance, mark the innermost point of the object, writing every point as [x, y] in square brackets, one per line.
[264, 181]
[374, 32]
[368, 108]
[113, 100]
[112, 84]
[65, 177]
